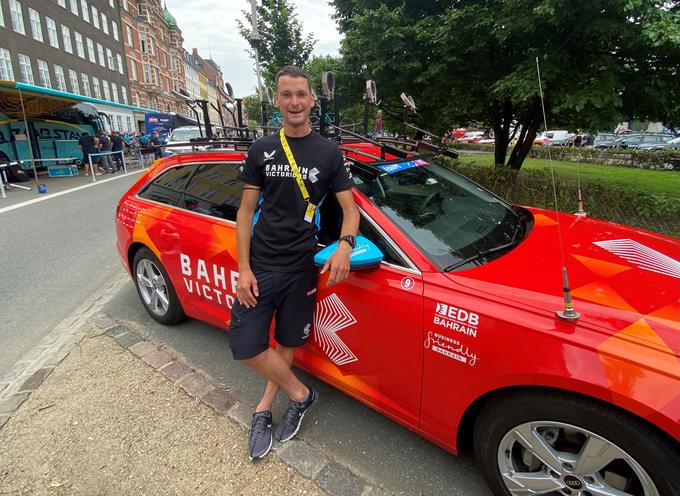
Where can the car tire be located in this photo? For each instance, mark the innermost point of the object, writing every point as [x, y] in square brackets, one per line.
[155, 288]
[558, 426]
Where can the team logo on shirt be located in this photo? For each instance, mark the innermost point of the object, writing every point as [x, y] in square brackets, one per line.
[269, 156]
[312, 175]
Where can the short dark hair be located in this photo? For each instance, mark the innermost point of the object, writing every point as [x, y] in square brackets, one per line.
[293, 71]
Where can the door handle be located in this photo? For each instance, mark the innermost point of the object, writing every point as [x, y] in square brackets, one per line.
[169, 234]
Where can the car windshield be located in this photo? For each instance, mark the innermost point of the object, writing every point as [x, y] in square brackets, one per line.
[184, 134]
[675, 141]
[454, 221]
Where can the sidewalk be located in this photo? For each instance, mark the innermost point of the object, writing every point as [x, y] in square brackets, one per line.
[105, 421]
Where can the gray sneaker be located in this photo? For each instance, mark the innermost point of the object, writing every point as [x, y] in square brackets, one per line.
[292, 418]
[260, 438]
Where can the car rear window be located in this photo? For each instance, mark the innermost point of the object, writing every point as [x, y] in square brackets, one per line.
[168, 187]
[214, 190]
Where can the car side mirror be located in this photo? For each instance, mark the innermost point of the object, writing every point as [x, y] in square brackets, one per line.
[364, 256]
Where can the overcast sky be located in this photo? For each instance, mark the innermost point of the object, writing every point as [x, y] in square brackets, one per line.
[210, 26]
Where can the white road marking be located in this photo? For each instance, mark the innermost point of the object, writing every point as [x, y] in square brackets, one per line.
[60, 193]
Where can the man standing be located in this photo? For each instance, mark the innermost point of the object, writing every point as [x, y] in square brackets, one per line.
[105, 147]
[155, 141]
[117, 147]
[88, 144]
[287, 175]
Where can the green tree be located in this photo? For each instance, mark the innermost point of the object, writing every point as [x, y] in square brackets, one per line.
[253, 110]
[281, 40]
[475, 61]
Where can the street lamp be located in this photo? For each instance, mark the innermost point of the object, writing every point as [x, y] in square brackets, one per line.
[255, 37]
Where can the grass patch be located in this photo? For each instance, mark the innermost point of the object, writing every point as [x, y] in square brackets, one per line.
[649, 181]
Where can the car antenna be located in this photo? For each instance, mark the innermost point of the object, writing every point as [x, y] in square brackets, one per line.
[568, 313]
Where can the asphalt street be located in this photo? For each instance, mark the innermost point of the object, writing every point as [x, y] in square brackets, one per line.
[346, 430]
[54, 253]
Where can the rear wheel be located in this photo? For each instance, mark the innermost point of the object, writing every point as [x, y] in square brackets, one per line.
[563, 445]
[155, 288]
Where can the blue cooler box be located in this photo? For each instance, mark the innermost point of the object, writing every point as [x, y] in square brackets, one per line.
[62, 170]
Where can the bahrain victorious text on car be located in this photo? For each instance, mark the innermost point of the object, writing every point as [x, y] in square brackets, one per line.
[455, 333]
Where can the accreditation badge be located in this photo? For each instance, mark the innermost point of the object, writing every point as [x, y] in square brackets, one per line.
[309, 214]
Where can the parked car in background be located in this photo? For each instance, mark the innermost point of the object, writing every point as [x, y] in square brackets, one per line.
[637, 140]
[554, 138]
[183, 134]
[667, 145]
[605, 140]
[471, 137]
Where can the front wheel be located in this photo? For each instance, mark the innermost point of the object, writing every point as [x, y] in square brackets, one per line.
[559, 444]
[155, 288]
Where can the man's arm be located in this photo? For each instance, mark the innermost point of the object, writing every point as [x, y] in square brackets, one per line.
[338, 263]
[246, 288]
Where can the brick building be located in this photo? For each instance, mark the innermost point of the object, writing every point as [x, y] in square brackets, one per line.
[67, 45]
[154, 54]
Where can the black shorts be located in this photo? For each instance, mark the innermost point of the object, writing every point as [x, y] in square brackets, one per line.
[290, 296]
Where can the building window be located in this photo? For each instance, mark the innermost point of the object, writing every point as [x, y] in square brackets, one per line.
[61, 80]
[36, 27]
[142, 41]
[109, 58]
[119, 121]
[25, 68]
[155, 79]
[119, 59]
[44, 74]
[128, 121]
[2, 16]
[91, 55]
[107, 93]
[62, 3]
[100, 52]
[17, 16]
[114, 28]
[128, 31]
[123, 90]
[74, 6]
[6, 71]
[150, 44]
[97, 89]
[73, 76]
[114, 92]
[52, 34]
[86, 84]
[113, 5]
[125, 4]
[147, 73]
[80, 48]
[66, 35]
[105, 23]
[133, 70]
[85, 10]
[95, 17]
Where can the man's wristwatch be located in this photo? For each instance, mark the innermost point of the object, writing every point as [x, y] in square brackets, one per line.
[351, 240]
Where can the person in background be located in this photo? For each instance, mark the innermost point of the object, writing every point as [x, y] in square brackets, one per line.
[155, 141]
[117, 146]
[105, 147]
[88, 144]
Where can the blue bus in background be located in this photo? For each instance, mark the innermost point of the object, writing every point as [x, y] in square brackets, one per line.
[50, 138]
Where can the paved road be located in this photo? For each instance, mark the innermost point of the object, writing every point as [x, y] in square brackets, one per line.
[346, 430]
[54, 254]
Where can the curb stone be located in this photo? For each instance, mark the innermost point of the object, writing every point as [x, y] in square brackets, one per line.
[310, 462]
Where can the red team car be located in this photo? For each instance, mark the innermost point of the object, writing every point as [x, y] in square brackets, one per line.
[455, 335]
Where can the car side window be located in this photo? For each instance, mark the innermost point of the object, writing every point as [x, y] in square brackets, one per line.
[168, 187]
[214, 190]
[390, 255]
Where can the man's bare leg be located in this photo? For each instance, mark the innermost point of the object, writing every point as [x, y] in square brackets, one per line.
[271, 389]
[271, 365]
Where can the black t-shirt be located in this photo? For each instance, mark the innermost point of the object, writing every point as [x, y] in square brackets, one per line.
[105, 142]
[87, 142]
[117, 143]
[282, 240]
